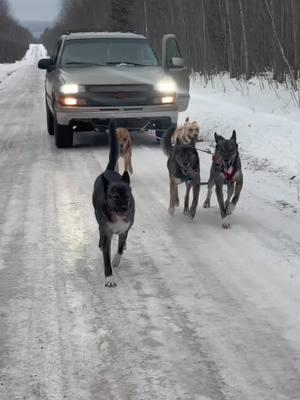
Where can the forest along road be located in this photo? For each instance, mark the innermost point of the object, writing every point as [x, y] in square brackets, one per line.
[199, 312]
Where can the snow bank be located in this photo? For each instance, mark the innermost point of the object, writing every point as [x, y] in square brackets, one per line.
[266, 118]
[33, 54]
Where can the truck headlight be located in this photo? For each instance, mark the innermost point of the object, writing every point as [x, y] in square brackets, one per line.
[166, 86]
[71, 101]
[168, 99]
[71, 88]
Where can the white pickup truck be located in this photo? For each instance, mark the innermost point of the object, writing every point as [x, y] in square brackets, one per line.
[96, 76]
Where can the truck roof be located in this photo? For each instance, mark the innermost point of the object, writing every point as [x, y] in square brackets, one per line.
[104, 35]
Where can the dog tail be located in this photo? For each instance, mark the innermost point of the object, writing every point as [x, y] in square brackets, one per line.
[167, 139]
[114, 148]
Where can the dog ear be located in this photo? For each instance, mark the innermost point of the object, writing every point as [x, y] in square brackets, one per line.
[187, 119]
[233, 137]
[126, 177]
[218, 138]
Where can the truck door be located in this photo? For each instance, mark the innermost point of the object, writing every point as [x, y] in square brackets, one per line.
[174, 65]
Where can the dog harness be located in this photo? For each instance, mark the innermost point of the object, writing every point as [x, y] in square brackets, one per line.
[229, 176]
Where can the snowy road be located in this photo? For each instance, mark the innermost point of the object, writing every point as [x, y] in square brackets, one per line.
[199, 313]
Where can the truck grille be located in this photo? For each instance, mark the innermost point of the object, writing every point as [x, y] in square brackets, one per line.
[120, 95]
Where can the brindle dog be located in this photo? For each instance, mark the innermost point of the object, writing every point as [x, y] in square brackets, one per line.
[184, 167]
[226, 169]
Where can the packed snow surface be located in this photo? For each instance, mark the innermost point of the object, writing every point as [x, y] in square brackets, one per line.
[199, 312]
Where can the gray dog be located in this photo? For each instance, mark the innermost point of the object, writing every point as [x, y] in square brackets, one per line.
[114, 208]
[226, 169]
[183, 166]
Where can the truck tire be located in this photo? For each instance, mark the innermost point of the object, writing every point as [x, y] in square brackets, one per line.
[50, 120]
[63, 135]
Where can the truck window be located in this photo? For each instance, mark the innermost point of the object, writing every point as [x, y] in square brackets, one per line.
[172, 50]
[107, 52]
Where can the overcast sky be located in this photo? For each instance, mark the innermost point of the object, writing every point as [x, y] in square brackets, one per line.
[35, 10]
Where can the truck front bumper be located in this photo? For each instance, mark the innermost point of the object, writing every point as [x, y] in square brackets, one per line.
[71, 115]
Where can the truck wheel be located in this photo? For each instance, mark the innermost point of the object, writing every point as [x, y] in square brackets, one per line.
[63, 135]
[50, 120]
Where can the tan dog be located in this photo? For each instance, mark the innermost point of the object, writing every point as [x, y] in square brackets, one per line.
[188, 133]
[125, 148]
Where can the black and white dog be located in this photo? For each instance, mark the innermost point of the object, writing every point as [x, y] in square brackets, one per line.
[226, 169]
[114, 208]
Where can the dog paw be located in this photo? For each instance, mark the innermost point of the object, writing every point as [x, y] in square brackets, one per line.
[171, 211]
[206, 204]
[116, 260]
[186, 211]
[226, 223]
[110, 282]
[230, 208]
[192, 213]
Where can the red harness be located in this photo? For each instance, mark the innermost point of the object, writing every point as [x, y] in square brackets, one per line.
[227, 175]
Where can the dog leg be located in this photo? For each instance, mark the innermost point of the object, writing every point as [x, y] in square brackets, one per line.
[196, 191]
[109, 280]
[101, 240]
[125, 164]
[188, 186]
[220, 197]
[121, 248]
[237, 192]
[130, 163]
[177, 197]
[210, 186]
[230, 190]
[172, 198]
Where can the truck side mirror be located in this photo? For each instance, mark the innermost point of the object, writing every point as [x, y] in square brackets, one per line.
[46, 63]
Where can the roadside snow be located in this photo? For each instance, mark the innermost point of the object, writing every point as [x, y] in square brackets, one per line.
[31, 56]
[266, 119]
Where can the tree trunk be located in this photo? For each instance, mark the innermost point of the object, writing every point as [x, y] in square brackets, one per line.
[295, 17]
[245, 44]
[293, 82]
[232, 65]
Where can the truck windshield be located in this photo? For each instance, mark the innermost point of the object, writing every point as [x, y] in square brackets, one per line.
[107, 52]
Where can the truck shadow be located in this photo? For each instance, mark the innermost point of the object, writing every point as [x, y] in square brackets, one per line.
[99, 139]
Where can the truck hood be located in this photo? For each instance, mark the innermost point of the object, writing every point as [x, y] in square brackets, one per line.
[112, 75]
